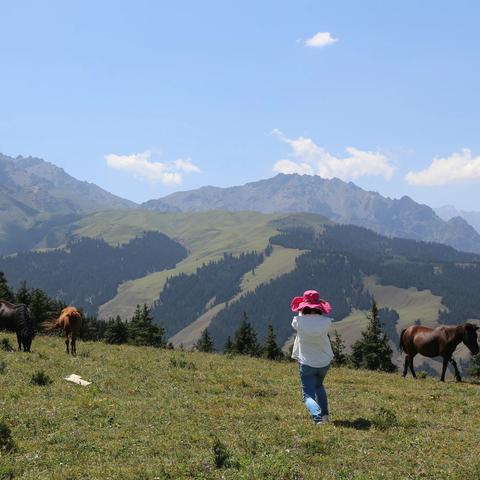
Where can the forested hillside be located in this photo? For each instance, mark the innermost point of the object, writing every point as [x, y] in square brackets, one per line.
[186, 297]
[87, 272]
[336, 262]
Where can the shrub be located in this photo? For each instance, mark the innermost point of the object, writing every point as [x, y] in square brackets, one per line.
[40, 378]
[6, 441]
[182, 363]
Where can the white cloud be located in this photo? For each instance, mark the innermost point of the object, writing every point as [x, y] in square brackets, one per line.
[457, 168]
[320, 40]
[141, 165]
[311, 159]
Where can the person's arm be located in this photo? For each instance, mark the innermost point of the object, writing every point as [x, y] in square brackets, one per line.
[295, 323]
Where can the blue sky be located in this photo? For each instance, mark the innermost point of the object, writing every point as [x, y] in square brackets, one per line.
[149, 97]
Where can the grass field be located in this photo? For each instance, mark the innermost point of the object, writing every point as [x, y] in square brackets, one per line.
[157, 414]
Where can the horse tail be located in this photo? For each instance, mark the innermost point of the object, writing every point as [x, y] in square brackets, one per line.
[401, 340]
[53, 324]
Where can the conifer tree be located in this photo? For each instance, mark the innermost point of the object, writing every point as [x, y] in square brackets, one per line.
[245, 339]
[372, 351]
[474, 369]
[228, 348]
[142, 331]
[23, 295]
[116, 331]
[5, 292]
[205, 342]
[338, 348]
[270, 349]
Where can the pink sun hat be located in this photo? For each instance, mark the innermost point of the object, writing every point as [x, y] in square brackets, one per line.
[311, 298]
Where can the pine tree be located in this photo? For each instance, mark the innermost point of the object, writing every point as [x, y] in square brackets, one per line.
[5, 292]
[228, 348]
[372, 351]
[474, 369]
[245, 339]
[23, 295]
[205, 342]
[270, 349]
[338, 348]
[116, 331]
[142, 331]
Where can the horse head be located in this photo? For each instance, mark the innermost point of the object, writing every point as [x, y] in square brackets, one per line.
[470, 338]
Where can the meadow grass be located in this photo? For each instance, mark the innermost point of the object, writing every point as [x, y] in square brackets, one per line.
[161, 414]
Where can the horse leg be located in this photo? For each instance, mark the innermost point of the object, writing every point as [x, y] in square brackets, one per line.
[19, 341]
[444, 368]
[66, 343]
[457, 373]
[410, 363]
[74, 344]
[405, 367]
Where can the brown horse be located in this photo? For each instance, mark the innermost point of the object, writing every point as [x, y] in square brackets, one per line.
[70, 321]
[433, 342]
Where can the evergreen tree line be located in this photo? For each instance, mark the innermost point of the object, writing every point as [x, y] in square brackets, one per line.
[140, 330]
[372, 351]
[88, 271]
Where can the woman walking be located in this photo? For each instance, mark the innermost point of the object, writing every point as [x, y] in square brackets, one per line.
[313, 351]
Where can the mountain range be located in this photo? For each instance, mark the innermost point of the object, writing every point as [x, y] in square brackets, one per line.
[37, 197]
[339, 201]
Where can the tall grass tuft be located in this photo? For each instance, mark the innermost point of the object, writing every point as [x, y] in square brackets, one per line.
[40, 378]
[6, 441]
[384, 419]
[6, 346]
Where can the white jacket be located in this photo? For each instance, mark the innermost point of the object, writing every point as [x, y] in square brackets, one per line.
[312, 345]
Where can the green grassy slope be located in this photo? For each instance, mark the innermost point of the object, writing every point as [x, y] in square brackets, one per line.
[207, 235]
[147, 415]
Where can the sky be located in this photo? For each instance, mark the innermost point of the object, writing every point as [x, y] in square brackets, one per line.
[145, 98]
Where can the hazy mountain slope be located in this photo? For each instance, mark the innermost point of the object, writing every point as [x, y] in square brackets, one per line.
[448, 212]
[48, 188]
[340, 201]
[33, 192]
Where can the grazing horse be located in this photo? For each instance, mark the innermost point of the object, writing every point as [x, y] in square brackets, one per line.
[70, 321]
[433, 342]
[17, 318]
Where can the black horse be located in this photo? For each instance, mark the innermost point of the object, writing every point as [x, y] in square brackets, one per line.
[17, 318]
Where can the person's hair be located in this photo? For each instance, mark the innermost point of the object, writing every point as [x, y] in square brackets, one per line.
[311, 311]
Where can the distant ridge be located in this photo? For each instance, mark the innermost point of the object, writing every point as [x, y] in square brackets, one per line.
[448, 212]
[35, 194]
[338, 200]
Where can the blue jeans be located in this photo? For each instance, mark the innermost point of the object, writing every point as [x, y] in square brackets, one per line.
[314, 394]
